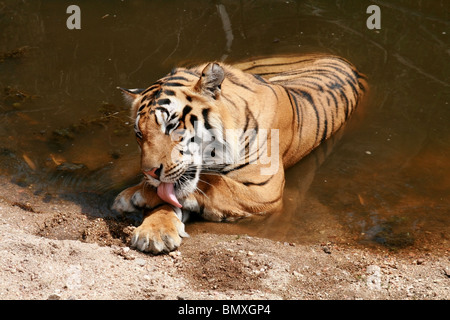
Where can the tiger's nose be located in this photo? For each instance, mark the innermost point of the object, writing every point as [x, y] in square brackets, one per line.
[154, 172]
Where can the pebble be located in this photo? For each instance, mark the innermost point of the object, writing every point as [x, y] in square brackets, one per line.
[373, 280]
[124, 252]
[447, 271]
[141, 262]
[175, 254]
[420, 261]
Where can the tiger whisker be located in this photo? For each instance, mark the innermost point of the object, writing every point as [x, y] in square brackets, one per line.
[198, 189]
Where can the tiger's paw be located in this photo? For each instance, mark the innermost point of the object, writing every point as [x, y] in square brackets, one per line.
[129, 200]
[160, 232]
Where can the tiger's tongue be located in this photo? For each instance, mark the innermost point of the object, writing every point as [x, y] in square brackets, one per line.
[167, 193]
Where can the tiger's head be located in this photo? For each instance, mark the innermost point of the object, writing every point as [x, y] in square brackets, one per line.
[179, 129]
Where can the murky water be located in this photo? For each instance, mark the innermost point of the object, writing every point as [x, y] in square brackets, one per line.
[385, 179]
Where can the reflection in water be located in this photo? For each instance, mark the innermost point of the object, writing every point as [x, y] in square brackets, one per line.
[386, 178]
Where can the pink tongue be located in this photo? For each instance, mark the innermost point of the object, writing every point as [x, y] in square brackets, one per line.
[167, 193]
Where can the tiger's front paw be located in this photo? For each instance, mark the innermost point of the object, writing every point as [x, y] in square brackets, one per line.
[159, 232]
[129, 200]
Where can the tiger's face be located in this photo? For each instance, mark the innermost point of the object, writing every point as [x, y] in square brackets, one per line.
[174, 120]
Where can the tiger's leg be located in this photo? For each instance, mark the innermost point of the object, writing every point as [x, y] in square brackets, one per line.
[132, 199]
[226, 199]
[161, 230]
[162, 227]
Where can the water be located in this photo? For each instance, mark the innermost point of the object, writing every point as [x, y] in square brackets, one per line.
[385, 179]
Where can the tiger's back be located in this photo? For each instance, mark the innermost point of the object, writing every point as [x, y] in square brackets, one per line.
[323, 91]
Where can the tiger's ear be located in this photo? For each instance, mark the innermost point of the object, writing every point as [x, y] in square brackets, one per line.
[211, 80]
[130, 94]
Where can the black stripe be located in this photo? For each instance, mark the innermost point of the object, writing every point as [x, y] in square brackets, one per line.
[253, 118]
[190, 174]
[152, 87]
[246, 150]
[174, 173]
[311, 101]
[169, 92]
[310, 73]
[324, 135]
[331, 93]
[248, 155]
[173, 116]
[169, 127]
[314, 77]
[277, 64]
[269, 73]
[334, 86]
[249, 139]
[294, 120]
[332, 114]
[205, 113]
[193, 119]
[235, 168]
[163, 101]
[307, 82]
[352, 107]
[292, 105]
[355, 92]
[163, 110]
[295, 97]
[340, 70]
[296, 72]
[246, 122]
[185, 112]
[263, 82]
[236, 82]
[174, 84]
[346, 105]
[176, 78]
[157, 95]
[348, 77]
[229, 100]
[259, 78]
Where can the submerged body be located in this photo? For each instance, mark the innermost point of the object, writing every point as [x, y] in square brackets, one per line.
[216, 139]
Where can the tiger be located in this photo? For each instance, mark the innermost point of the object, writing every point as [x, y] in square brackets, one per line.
[215, 139]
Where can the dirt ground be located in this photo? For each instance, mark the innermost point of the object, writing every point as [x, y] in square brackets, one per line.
[53, 250]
